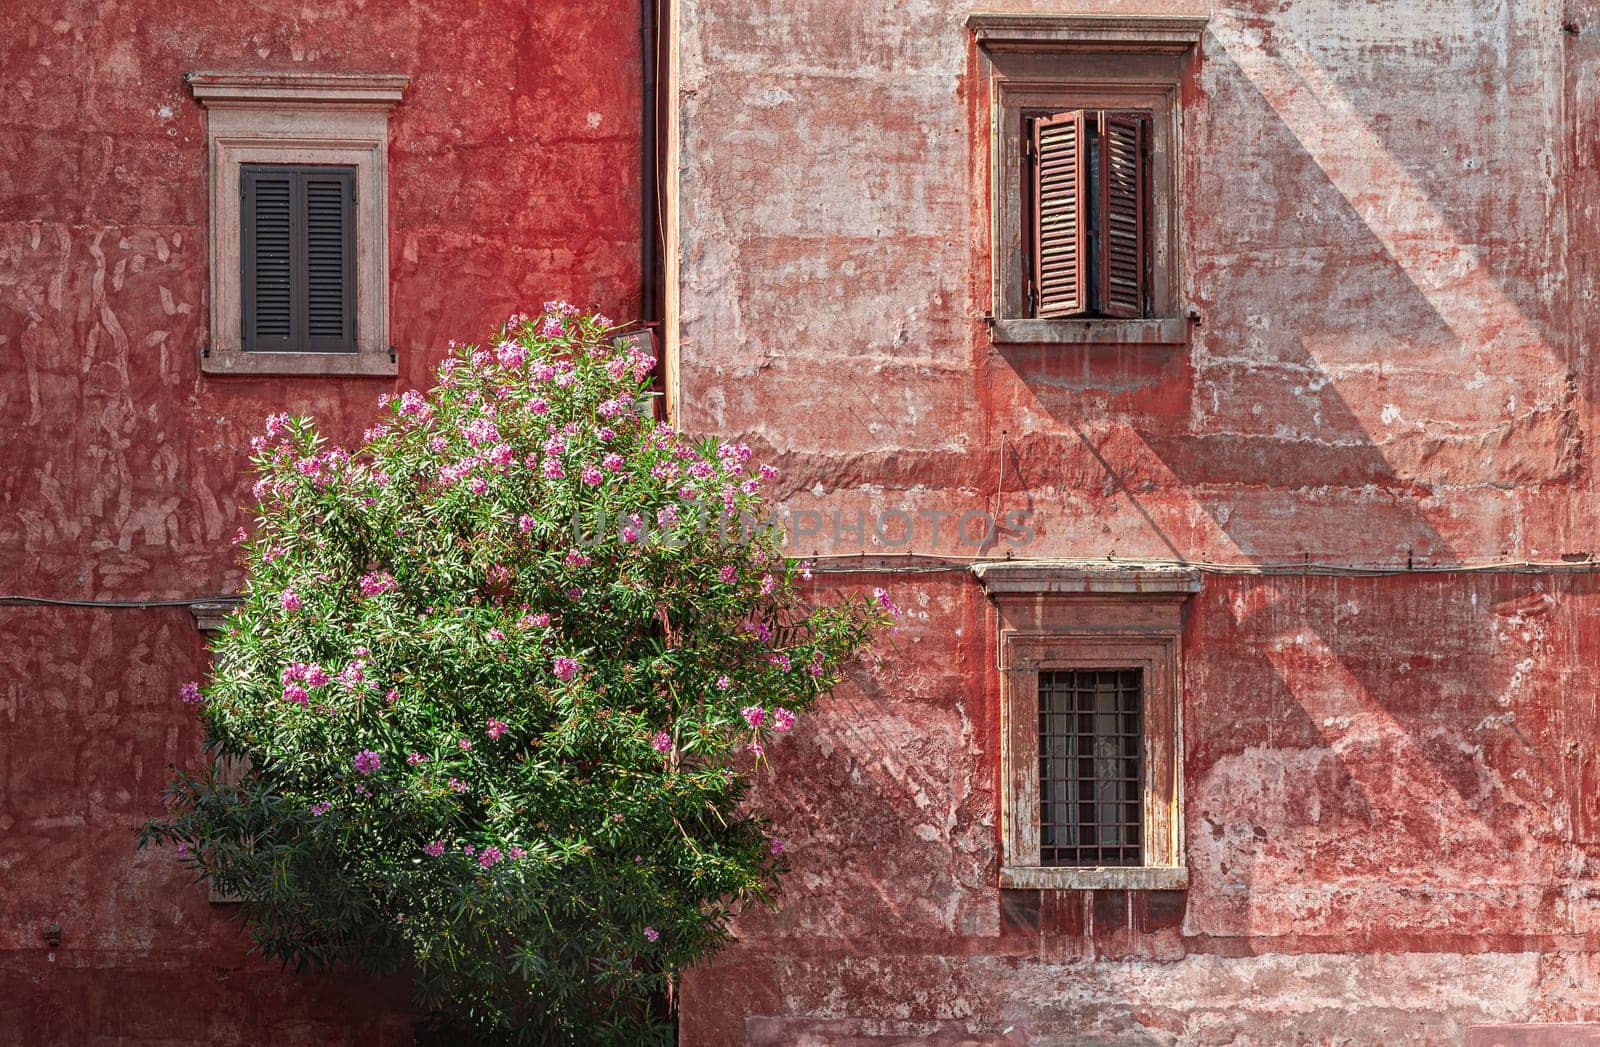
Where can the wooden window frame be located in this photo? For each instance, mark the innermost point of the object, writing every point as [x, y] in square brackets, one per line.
[1037, 64]
[1090, 616]
[299, 119]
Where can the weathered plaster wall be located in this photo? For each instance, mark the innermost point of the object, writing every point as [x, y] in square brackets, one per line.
[1390, 230]
[514, 178]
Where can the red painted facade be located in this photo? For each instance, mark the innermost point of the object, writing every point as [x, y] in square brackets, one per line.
[1389, 233]
[1391, 226]
[514, 178]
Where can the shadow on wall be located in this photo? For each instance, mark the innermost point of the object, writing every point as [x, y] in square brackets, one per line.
[1397, 732]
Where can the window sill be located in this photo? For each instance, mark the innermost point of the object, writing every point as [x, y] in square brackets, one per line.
[1171, 330]
[1104, 878]
[377, 365]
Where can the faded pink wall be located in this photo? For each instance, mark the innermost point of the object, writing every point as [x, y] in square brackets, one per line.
[514, 165]
[1390, 230]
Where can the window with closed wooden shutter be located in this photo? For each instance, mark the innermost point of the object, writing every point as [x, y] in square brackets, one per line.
[1087, 234]
[297, 255]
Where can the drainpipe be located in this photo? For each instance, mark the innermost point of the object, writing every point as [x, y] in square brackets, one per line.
[652, 36]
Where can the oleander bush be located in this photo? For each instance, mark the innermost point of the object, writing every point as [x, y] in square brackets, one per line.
[499, 684]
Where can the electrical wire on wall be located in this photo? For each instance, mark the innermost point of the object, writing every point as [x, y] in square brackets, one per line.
[913, 563]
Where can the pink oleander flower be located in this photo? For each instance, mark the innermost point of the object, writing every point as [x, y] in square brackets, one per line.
[495, 728]
[776, 847]
[605, 434]
[190, 693]
[723, 683]
[767, 472]
[465, 744]
[779, 659]
[353, 675]
[539, 407]
[489, 857]
[277, 424]
[757, 749]
[565, 668]
[510, 354]
[525, 523]
[315, 675]
[662, 742]
[376, 583]
[239, 537]
[414, 758]
[296, 694]
[289, 600]
[805, 569]
[614, 463]
[753, 715]
[366, 761]
[392, 695]
[477, 485]
[434, 849]
[768, 584]
[541, 619]
[613, 407]
[576, 558]
[553, 469]
[882, 597]
[183, 850]
[782, 719]
[651, 934]
[457, 785]
[517, 852]
[630, 534]
[591, 476]
[320, 808]
[729, 573]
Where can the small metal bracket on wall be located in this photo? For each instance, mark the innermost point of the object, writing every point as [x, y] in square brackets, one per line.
[394, 357]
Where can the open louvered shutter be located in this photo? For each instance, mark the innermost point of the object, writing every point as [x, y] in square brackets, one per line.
[1058, 225]
[297, 248]
[1123, 236]
[266, 239]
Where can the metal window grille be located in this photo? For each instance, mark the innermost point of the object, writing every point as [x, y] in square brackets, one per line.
[1091, 767]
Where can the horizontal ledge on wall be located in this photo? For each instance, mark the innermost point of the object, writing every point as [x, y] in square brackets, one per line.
[212, 617]
[362, 364]
[1171, 330]
[219, 89]
[1100, 878]
[1041, 577]
[1010, 30]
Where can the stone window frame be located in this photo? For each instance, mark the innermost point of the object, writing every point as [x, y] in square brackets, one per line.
[299, 118]
[1069, 615]
[1055, 62]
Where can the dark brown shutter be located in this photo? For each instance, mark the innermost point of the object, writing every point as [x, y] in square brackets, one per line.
[297, 253]
[1058, 225]
[266, 235]
[1123, 238]
[330, 265]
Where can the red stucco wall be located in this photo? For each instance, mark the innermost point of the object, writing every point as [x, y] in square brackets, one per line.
[1389, 231]
[514, 165]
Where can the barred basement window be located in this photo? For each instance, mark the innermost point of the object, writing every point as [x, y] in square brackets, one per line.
[1091, 767]
[1091, 753]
